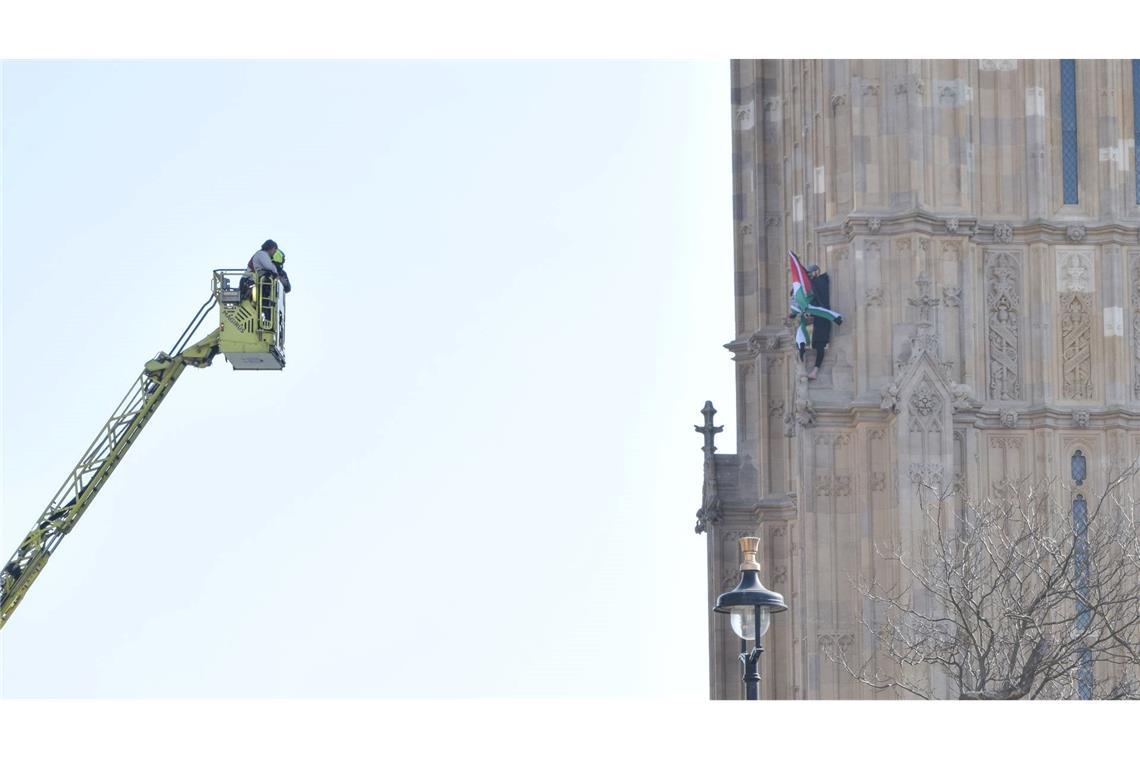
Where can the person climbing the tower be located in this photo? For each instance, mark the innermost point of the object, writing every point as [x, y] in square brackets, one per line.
[811, 301]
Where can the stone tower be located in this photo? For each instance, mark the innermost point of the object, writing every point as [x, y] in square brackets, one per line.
[979, 220]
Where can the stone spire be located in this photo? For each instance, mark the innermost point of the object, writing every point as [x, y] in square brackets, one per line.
[710, 502]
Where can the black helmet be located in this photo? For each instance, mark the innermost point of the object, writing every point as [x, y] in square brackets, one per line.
[268, 245]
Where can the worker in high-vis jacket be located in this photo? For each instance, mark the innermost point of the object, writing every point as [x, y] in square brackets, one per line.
[279, 259]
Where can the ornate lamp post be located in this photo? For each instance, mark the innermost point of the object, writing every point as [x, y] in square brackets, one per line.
[750, 606]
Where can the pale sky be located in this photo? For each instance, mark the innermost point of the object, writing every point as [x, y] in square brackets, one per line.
[476, 477]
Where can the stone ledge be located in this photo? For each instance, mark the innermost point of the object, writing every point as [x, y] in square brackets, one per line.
[987, 233]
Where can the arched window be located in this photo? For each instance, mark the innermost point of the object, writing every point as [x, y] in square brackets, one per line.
[1069, 149]
[1081, 575]
[1136, 122]
[1078, 468]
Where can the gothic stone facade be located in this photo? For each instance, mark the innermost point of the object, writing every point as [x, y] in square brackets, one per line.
[992, 321]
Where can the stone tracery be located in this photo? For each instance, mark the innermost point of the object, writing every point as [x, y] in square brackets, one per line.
[1076, 345]
[1003, 303]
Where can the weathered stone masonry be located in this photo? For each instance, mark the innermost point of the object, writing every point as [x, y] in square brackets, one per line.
[990, 330]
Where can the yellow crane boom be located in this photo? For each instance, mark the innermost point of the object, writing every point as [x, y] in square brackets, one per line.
[251, 334]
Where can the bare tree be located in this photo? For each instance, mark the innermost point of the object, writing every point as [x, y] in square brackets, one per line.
[1032, 596]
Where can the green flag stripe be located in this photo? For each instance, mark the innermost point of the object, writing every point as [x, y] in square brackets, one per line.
[819, 311]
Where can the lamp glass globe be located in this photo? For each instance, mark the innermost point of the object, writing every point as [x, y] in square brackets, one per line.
[743, 620]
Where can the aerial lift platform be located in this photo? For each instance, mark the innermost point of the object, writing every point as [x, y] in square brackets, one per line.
[250, 335]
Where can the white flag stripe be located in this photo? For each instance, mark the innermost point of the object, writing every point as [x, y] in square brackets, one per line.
[801, 336]
[819, 311]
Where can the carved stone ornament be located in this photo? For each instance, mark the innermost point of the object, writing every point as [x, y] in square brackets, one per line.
[1076, 232]
[760, 342]
[874, 297]
[1003, 305]
[1003, 232]
[1074, 272]
[874, 223]
[729, 578]
[925, 302]
[755, 343]
[1004, 488]
[744, 116]
[927, 474]
[925, 341]
[952, 225]
[997, 64]
[834, 644]
[731, 539]
[902, 246]
[925, 408]
[822, 485]
[1081, 418]
[878, 481]
[707, 515]
[962, 397]
[890, 398]
[1076, 345]
[960, 482]
[745, 230]
[913, 84]
[871, 90]
[838, 102]
[1008, 418]
[952, 296]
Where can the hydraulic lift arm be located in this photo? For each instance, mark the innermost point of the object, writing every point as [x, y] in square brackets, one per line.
[251, 335]
[97, 464]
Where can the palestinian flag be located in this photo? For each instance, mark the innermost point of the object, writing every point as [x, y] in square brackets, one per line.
[803, 300]
[801, 283]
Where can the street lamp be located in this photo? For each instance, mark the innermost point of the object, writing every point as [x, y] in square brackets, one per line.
[750, 607]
